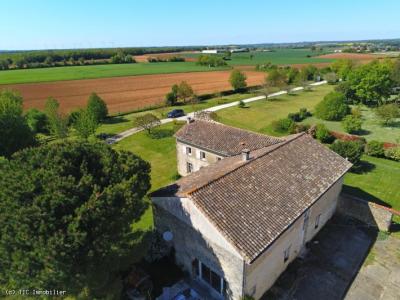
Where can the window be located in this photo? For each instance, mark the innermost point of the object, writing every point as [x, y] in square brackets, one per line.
[286, 254]
[219, 158]
[189, 167]
[210, 277]
[202, 155]
[317, 219]
[188, 150]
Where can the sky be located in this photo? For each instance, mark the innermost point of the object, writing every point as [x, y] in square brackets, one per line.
[57, 24]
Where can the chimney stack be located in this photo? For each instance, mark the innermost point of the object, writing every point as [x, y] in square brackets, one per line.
[245, 154]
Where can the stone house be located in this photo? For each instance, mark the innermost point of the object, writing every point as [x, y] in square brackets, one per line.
[246, 206]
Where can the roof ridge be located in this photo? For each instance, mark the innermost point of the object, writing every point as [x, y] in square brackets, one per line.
[274, 147]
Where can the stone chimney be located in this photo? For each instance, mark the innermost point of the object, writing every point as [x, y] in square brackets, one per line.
[245, 154]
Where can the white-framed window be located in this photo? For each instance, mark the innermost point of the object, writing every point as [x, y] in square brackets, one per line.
[202, 155]
[188, 151]
[317, 219]
[189, 167]
[286, 254]
[208, 276]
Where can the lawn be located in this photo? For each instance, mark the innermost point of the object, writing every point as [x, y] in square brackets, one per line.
[97, 71]
[259, 115]
[380, 181]
[278, 56]
[372, 128]
[118, 124]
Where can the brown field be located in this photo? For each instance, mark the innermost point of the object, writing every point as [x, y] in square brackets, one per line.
[144, 57]
[124, 94]
[353, 56]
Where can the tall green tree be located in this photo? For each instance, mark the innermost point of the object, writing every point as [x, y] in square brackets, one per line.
[86, 123]
[37, 120]
[57, 122]
[97, 107]
[237, 80]
[372, 82]
[184, 91]
[66, 215]
[15, 133]
[333, 107]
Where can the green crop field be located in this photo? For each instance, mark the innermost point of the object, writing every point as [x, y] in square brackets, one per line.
[97, 71]
[278, 56]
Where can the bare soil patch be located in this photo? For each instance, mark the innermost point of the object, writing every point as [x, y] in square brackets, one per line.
[354, 56]
[124, 94]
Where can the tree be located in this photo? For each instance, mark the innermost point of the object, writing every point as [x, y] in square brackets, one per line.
[284, 125]
[67, 211]
[352, 150]
[372, 82]
[147, 122]
[308, 73]
[15, 133]
[86, 123]
[237, 80]
[172, 97]
[37, 120]
[332, 107]
[343, 67]
[97, 107]
[184, 91]
[352, 124]
[331, 78]
[387, 113]
[57, 122]
[275, 78]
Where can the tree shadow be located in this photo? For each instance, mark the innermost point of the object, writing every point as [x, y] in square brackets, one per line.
[363, 132]
[161, 133]
[115, 120]
[363, 167]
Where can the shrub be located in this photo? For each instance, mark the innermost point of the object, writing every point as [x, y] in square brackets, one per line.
[374, 148]
[283, 125]
[294, 117]
[241, 104]
[331, 78]
[300, 128]
[299, 116]
[352, 124]
[304, 113]
[322, 134]
[332, 107]
[393, 153]
[36, 120]
[387, 113]
[352, 150]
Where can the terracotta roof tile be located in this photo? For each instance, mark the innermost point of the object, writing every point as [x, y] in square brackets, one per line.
[223, 139]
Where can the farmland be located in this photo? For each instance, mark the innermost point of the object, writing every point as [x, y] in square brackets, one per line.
[278, 57]
[124, 94]
[97, 71]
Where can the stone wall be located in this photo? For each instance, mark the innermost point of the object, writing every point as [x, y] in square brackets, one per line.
[190, 243]
[368, 212]
[194, 158]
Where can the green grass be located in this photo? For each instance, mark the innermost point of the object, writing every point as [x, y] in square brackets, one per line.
[259, 115]
[278, 57]
[159, 152]
[97, 71]
[380, 183]
[118, 124]
[372, 127]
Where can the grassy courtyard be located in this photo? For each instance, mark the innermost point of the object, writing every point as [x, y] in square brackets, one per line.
[259, 115]
[372, 127]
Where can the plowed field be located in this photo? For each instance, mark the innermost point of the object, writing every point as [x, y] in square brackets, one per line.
[124, 94]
